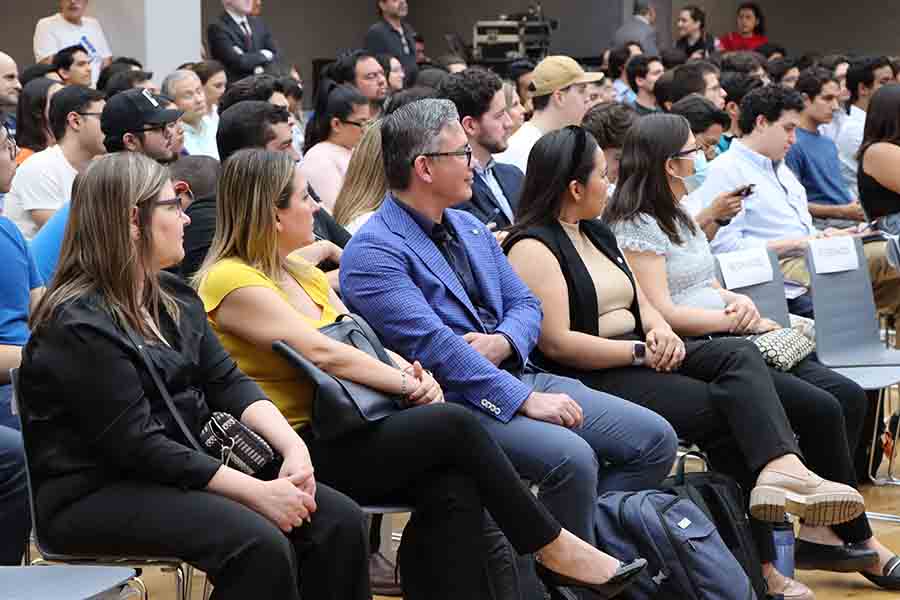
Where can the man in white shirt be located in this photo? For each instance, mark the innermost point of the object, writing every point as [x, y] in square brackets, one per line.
[185, 88]
[44, 184]
[776, 214]
[70, 27]
[559, 94]
[864, 77]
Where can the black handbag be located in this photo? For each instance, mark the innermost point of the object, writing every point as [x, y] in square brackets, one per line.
[722, 499]
[341, 406]
[224, 437]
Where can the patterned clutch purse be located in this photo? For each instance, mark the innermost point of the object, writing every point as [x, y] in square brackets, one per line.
[783, 348]
[237, 445]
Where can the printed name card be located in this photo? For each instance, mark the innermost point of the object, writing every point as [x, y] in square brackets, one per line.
[834, 255]
[745, 267]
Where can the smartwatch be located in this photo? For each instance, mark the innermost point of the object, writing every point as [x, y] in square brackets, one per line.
[638, 354]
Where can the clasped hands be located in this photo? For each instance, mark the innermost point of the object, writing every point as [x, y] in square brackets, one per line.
[745, 318]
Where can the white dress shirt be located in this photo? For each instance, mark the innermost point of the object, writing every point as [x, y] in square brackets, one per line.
[848, 142]
[776, 210]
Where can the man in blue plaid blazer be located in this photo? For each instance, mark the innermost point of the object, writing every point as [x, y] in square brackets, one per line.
[435, 285]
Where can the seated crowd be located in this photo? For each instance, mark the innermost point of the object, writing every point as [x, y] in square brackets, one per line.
[535, 253]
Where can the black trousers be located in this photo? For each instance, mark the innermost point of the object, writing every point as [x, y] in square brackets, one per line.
[729, 402]
[244, 554]
[442, 461]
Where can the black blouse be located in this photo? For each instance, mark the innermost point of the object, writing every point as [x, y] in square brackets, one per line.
[93, 414]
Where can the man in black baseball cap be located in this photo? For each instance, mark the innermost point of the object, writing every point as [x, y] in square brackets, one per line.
[135, 121]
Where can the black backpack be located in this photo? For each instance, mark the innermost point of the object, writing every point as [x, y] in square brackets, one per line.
[721, 498]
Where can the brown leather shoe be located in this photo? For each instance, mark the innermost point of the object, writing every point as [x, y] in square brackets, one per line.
[816, 500]
[787, 588]
[384, 576]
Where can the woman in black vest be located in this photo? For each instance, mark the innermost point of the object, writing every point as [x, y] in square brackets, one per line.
[599, 328]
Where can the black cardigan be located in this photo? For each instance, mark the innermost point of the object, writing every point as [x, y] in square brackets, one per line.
[94, 416]
[583, 310]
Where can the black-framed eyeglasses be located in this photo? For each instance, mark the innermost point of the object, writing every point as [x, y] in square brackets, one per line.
[688, 154]
[89, 114]
[467, 152]
[361, 125]
[176, 202]
[164, 127]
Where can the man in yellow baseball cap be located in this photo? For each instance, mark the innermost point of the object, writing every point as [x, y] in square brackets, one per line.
[559, 94]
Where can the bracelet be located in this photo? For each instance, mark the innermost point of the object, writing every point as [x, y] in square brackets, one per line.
[403, 391]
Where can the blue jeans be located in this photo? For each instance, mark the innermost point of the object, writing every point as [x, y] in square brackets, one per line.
[620, 447]
[14, 515]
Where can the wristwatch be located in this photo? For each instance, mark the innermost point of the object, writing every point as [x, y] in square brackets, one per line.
[638, 354]
[723, 222]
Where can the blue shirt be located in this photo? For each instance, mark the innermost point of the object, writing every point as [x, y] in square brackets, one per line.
[776, 210]
[47, 243]
[17, 278]
[814, 160]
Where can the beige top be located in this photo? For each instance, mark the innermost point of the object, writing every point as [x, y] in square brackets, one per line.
[614, 291]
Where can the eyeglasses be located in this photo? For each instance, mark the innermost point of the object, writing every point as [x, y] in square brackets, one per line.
[467, 152]
[690, 154]
[361, 125]
[176, 202]
[89, 114]
[165, 128]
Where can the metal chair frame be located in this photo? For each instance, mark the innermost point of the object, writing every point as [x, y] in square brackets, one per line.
[183, 572]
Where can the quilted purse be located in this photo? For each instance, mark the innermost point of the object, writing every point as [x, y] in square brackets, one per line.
[783, 348]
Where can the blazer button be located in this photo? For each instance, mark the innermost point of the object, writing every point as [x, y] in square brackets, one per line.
[484, 402]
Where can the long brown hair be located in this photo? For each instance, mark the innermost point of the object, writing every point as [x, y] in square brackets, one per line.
[98, 254]
[643, 182]
[254, 183]
[364, 184]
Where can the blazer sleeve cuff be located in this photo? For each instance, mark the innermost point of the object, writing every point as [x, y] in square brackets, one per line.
[503, 399]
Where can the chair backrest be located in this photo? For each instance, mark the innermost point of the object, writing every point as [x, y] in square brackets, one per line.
[767, 296]
[847, 329]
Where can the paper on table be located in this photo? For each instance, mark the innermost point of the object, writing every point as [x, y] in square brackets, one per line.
[834, 254]
[745, 267]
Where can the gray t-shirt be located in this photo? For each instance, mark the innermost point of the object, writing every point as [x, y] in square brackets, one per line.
[690, 267]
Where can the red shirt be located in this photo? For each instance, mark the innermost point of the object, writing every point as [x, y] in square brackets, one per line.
[734, 42]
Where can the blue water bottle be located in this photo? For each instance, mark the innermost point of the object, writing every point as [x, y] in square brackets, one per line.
[783, 536]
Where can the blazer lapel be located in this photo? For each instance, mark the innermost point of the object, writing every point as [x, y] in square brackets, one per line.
[399, 221]
[478, 248]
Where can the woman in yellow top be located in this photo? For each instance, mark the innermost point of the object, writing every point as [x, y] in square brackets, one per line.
[258, 285]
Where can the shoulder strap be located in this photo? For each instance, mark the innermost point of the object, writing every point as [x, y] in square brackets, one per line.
[161, 387]
[367, 331]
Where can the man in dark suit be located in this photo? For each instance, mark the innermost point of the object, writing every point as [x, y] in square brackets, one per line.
[481, 103]
[244, 44]
[436, 287]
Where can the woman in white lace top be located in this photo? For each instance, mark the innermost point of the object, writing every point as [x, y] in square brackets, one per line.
[671, 260]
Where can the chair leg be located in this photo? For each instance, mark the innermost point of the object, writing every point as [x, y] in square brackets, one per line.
[187, 587]
[138, 583]
[207, 589]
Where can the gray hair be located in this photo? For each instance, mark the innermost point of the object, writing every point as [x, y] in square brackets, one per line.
[411, 131]
[171, 79]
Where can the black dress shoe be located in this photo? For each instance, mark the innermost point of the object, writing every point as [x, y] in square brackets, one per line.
[809, 556]
[624, 576]
[890, 579]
